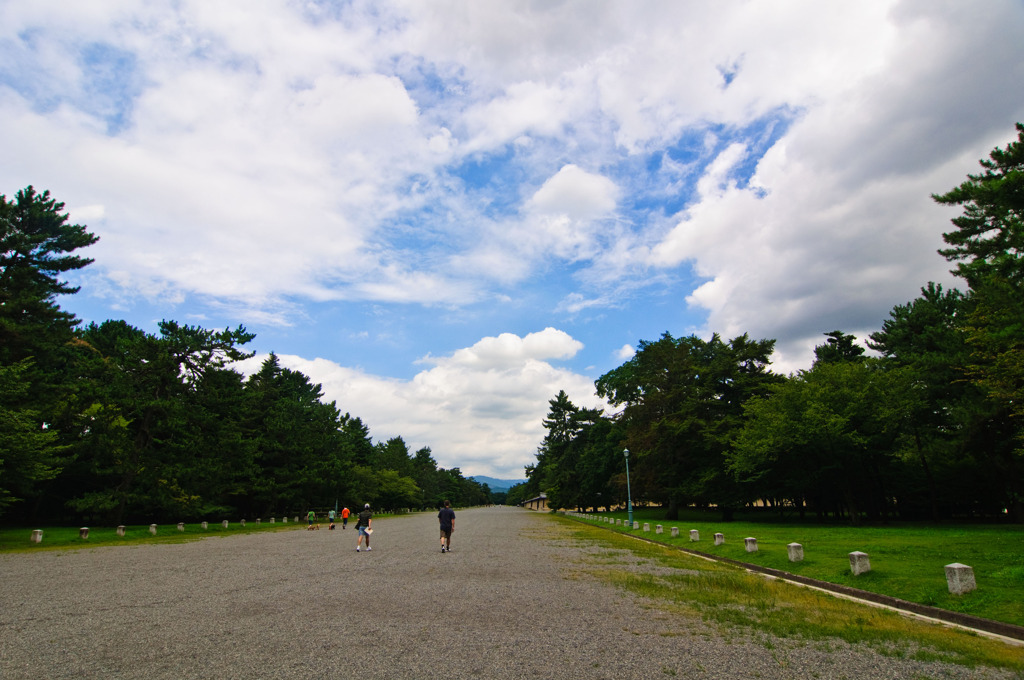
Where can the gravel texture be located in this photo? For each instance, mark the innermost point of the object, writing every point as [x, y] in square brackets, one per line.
[509, 601]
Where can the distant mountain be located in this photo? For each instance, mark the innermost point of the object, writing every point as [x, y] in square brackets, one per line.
[497, 484]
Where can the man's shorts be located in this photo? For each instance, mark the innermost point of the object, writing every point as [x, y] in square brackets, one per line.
[362, 531]
[446, 533]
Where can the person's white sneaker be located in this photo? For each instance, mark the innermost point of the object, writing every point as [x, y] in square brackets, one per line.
[369, 548]
[357, 549]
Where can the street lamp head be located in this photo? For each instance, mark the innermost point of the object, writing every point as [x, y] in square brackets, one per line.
[625, 452]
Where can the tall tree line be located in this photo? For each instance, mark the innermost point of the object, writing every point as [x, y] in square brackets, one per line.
[931, 427]
[111, 423]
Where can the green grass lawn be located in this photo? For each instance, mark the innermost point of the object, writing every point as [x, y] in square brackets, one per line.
[907, 560]
[19, 539]
[735, 600]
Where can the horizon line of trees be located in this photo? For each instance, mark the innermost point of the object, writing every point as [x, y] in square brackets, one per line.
[931, 428]
[108, 423]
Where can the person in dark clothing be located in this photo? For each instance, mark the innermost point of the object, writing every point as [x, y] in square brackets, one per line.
[447, 519]
[363, 527]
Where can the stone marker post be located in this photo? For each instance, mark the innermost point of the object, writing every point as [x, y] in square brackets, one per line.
[152, 529]
[859, 563]
[647, 526]
[204, 525]
[719, 539]
[83, 532]
[960, 578]
[272, 520]
[796, 552]
[37, 535]
[120, 530]
[242, 522]
[636, 525]
[675, 532]
[694, 535]
[224, 524]
[181, 526]
[751, 543]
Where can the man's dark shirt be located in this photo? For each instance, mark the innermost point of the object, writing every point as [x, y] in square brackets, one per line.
[447, 516]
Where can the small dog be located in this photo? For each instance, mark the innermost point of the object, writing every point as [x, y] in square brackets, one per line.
[313, 527]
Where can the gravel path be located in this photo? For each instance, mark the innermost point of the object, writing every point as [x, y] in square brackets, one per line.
[507, 602]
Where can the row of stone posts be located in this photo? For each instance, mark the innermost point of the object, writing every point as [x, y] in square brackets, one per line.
[83, 533]
[959, 577]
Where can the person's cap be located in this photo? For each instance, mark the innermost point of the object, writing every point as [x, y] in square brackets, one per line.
[367, 505]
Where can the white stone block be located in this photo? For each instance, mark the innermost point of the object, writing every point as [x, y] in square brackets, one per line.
[659, 529]
[636, 525]
[859, 563]
[205, 525]
[242, 522]
[181, 526]
[751, 543]
[960, 578]
[37, 535]
[675, 532]
[83, 532]
[224, 524]
[694, 535]
[719, 539]
[152, 529]
[120, 530]
[796, 552]
[647, 526]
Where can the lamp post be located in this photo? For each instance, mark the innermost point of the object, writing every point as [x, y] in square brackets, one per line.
[629, 494]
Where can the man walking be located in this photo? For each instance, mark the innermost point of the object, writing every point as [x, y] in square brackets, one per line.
[447, 520]
[344, 518]
[363, 527]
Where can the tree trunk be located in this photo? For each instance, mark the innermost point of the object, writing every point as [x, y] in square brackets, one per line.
[932, 497]
[673, 509]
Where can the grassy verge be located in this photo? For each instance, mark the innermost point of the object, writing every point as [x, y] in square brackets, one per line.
[907, 560]
[18, 540]
[732, 599]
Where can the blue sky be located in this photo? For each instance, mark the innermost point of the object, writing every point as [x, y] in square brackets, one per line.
[447, 212]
